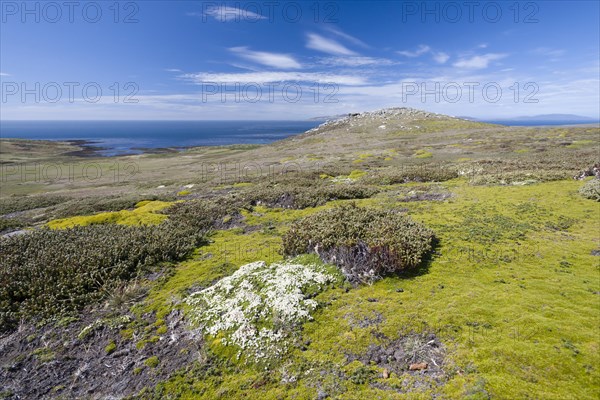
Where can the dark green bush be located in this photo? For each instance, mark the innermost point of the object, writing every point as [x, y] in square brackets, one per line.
[46, 273]
[591, 190]
[365, 243]
[22, 203]
[412, 173]
[204, 213]
[9, 224]
[303, 193]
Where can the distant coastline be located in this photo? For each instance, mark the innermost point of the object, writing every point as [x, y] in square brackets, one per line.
[114, 138]
[118, 138]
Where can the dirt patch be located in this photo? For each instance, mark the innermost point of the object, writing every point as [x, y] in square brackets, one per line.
[364, 321]
[51, 361]
[417, 357]
[426, 196]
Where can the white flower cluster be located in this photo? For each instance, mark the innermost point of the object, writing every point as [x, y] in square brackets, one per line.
[254, 307]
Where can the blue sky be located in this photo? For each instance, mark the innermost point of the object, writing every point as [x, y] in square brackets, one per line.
[268, 60]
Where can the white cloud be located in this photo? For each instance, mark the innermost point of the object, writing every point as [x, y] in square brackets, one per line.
[355, 61]
[346, 37]
[172, 70]
[4, 74]
[330, 46]
[478, 62]
[274, 77]
[440, 57]
[546, 51]
[275, 60]
[226, 14]
[420, 51]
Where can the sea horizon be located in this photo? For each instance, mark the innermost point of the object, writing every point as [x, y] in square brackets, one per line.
[128, 137]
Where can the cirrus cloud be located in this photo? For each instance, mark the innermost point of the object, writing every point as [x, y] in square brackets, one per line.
[275, 60]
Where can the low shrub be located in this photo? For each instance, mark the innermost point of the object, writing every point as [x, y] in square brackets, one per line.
[305, 193]
[22, 203]
[9, 224]
[412, 173]
[46, 272]
[205, 213]
[591, 190]
[365, 243]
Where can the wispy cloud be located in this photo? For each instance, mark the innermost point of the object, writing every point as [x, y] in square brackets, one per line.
[346, 37]
[225, 13]
[440, 57]
[4, 74]
[172, 70]
[274, 77]
[547, 51]
[275, 60]
[478, 62]
[355, 61]
[329, 46]
[419, 52]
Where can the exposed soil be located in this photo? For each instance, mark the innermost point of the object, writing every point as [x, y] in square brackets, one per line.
[51, 361]
[399, 355]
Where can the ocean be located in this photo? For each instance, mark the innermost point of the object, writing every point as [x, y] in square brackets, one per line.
[541, 122]
[135, 137]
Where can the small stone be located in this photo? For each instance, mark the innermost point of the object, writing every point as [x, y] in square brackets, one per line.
[399, 290]
[417, 366]
[385, 374]
[322, 395]
[372, 300]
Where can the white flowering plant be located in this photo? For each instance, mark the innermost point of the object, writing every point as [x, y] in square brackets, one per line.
[259, 307]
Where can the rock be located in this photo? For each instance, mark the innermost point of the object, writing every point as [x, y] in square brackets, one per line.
[417, 366]
[322, 395]
[385, 374]
[398, 355]
[372, 300]
[399, 290]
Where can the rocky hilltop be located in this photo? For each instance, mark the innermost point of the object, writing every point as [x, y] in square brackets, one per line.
[397, 117]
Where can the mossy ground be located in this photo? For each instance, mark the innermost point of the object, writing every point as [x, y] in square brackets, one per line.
[145, 213]
[512, 295]
[512, 290]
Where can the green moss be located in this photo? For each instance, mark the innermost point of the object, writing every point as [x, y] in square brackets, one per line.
[127, 334]
[578, 144]
[161, 331]
[422, 154]
[145, 213]
[111, 347]
[356, 174]
[151, 362]
[183, 193]
[228, 250]
[44, 354]
[242, 184]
